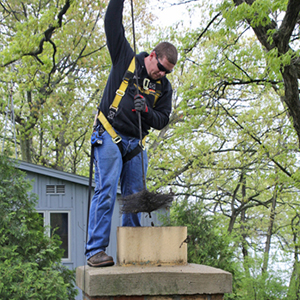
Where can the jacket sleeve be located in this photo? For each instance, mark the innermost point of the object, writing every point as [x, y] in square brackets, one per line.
[114, 30]
[158, 117]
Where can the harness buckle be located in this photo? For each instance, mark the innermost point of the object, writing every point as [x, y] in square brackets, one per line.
[111, 114]
[146, 83]
[120, 93]
[117, 139]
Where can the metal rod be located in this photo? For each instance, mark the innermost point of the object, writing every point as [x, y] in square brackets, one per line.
[137, 92]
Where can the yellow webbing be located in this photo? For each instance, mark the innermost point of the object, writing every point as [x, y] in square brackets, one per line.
[119, 94]
[121, 91]
[116, 138]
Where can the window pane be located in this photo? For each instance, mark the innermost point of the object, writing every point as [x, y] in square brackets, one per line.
[59, 222]
[41, 218]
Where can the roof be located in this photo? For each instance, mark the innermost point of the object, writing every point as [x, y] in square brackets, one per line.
[29, 167]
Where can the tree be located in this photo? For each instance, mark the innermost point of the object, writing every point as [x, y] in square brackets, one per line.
[231, 145]
[50, 51]
[54, 63]
[30, 261]
[279, 37]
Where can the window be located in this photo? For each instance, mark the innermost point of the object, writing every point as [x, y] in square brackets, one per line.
[58, 223]
[42, 218]
[55, 189]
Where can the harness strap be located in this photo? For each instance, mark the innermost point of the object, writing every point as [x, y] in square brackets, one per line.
[107, 126]
[132, 154]
[124, 84]
[117, 139]
[114, 107]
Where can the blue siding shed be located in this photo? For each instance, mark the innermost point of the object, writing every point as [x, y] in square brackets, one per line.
[63, 200]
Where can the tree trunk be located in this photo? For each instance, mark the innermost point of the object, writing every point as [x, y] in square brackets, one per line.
[294, 286]
[281, 40]
[25, 145]
[269, 233]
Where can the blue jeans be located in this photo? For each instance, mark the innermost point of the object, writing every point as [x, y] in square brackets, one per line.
[109, 169]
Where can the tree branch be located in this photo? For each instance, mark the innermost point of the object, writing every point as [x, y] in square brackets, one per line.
[284, 170]
[46, 37]
[261, 31]
[201, 34]
[283, 35]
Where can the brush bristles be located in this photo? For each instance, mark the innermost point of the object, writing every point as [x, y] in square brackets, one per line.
[145, 201]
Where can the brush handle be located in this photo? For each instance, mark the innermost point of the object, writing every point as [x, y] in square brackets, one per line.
[137, 91]
[141, 145]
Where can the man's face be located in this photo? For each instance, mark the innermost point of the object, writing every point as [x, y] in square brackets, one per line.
[158, 67]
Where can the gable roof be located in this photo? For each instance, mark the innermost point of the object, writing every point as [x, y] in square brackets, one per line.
[29, 167]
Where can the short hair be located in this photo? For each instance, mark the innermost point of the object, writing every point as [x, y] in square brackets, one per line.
[168, 50]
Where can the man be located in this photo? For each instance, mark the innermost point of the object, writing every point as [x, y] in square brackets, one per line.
[118, 153]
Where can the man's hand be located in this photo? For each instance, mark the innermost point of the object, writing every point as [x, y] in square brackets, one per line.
[140, 103]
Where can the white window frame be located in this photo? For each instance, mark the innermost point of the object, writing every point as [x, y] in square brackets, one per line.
[46, 214]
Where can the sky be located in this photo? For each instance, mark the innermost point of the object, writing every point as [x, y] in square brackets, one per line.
[168, 14]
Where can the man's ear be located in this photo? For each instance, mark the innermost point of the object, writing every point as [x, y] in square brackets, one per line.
[152, 54]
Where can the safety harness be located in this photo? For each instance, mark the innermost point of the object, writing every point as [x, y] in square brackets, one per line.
[147, 89]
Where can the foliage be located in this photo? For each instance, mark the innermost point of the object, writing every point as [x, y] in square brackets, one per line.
[207, 243]
[260, 286]
[54, 66]
[29, 260]
[232, 143]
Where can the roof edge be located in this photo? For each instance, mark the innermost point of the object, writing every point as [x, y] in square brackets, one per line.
[30, 167]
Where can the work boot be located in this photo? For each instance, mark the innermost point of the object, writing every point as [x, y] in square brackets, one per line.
[100, 259]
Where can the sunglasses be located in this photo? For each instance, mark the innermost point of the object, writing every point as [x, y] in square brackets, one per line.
[161, 67]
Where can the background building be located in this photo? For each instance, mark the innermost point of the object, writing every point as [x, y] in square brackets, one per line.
[63, 202]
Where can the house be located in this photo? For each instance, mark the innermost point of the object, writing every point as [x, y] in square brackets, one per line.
[63, 202]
